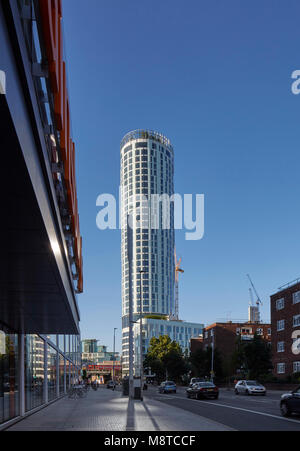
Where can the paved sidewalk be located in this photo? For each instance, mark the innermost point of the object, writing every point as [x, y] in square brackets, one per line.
[106, 410]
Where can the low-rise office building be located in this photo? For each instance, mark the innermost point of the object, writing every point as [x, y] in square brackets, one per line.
[285, 319]
[180, 331]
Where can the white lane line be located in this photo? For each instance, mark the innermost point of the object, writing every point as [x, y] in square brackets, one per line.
[243, 410]
[259, 401]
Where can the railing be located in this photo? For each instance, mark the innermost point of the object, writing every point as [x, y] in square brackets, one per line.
[147, 134]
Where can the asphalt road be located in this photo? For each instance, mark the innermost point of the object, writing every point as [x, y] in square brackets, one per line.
[242, 413]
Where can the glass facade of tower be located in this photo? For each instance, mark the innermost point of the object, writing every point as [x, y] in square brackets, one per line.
[147, 173]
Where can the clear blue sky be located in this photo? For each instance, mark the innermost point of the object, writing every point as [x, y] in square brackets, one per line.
[215, 77]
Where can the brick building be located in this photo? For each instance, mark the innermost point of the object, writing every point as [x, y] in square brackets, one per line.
[285, 319]
[224, 336]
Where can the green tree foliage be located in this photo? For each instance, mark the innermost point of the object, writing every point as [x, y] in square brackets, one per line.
[258, 357]
[165, 358]
[253, 357]
[198, 360]
[201, 363]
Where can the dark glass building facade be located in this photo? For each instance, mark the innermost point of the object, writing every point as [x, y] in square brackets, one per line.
[40, 261]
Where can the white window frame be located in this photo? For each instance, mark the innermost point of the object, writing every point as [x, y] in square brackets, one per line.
[296, 297]
[279, 327]
[280, 304]
[281, 346]
[281, 368]
[296, 367]
[296, 321]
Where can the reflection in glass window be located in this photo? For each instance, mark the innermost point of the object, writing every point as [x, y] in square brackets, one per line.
[51, 373]
[9, 388]
[61, 343]
[34, 372]
[61, 375]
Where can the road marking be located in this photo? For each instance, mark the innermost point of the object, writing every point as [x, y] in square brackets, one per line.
[243, 410]
[254, 399]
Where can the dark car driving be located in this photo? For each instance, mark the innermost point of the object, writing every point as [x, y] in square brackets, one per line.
[290, 403]
[203, 390]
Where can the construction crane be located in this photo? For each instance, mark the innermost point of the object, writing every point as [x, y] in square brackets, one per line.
[178, 270]
[258, 300]
[251, 297]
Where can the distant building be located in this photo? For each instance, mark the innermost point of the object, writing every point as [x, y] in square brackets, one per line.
[196, 343]
[224, 336]
[94, 354]
[104, 371]
[253, 314]
[180, 331]
[90, 346]
[285, 319]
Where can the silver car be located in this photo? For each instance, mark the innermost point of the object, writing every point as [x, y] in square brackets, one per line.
[167, 387]
[250, 388]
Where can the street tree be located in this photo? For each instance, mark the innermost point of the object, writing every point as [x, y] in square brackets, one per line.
[165, 358]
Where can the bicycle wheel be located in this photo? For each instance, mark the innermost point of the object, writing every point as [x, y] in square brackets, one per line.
[80, 393]
[71, 393]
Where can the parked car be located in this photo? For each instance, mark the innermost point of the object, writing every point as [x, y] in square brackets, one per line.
[194, 380]
[111, 384]
[250, 388]
[200, 390]
[167, 387]
[290, 403]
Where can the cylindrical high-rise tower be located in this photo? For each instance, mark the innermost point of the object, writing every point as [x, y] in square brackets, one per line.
[147, 172]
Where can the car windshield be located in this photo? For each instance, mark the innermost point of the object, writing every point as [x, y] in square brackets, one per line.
[252, 383]
[170, 383]
[206, 384]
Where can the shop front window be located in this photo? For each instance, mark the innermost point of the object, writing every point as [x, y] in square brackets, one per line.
[61, 343]
[68, 374]
[9, 377]
[34, 372]
[61, 375]
[52, 376]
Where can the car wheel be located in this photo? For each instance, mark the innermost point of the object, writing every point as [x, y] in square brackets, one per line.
[217, 397]
[247, 393]
[236, 392]
[174, 391]
[188, 395]
[285, 411]
[197, 396]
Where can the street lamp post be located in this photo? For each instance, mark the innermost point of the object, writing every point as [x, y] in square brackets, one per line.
[212, 356]
[141, 335]
[113, 375]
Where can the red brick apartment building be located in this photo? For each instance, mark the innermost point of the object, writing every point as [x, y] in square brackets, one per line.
[225, 335]
[285, 319]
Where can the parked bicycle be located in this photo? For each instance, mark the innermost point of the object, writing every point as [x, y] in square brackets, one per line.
[77, 392]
